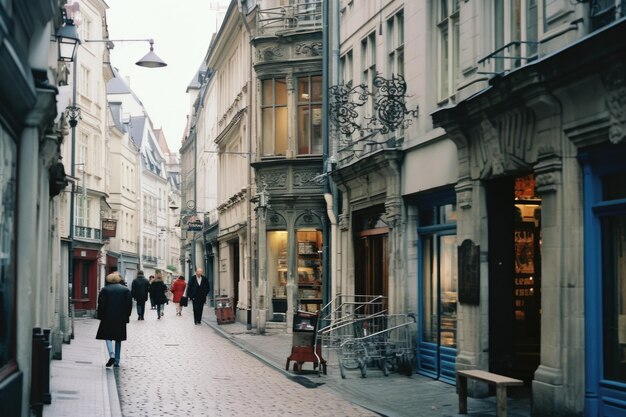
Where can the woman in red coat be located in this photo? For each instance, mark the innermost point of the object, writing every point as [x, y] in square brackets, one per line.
[178, 289]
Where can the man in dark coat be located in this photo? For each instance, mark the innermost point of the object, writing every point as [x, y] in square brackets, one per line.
[197, 291]
[114, 307]
[139, 291]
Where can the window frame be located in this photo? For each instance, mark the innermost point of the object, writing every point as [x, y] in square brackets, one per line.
[312, 105]
[448, 48]
[273, 106]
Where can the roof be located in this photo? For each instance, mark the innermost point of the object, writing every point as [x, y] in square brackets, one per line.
[137, 124]
[117, 85]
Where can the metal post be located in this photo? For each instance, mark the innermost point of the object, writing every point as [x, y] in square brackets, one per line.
[70, 265]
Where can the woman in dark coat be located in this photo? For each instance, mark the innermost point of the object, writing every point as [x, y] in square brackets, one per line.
[157, 294]
[114, 307]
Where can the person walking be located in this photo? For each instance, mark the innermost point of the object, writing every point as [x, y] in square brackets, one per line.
[178, 289]
[139, 291]
[197, 291]
[114, 307]
[157, 294]
[150, 280]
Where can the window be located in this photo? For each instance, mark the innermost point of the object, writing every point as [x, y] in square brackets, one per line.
[603, 12]
[448, 47]
[347, 67]
[82, 210]
[395, 44]
[84, 82]
[368, 62]
[274, 116]
[309, 93]
[8, 226]
[515, 32]
[613, 231]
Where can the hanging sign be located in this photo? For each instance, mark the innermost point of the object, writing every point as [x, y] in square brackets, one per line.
[469, 275]
[194, 224]
[109, 227]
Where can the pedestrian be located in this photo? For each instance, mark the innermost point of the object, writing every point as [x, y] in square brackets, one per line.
[114, 307]
[197, 291]
[157, 294]
[178, 289]
[152, 306]
[139, 291]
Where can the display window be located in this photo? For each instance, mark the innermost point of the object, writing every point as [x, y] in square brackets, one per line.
[309, 253]
[277, 272]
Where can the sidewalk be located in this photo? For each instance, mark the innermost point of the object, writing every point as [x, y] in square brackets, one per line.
[392, 396]
[80, 384]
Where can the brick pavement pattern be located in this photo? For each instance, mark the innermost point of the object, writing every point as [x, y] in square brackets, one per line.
[171, 367]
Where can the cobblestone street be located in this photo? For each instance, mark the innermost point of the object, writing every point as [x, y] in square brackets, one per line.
[173, 367]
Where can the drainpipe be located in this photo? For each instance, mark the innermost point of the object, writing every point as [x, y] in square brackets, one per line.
[330, 45]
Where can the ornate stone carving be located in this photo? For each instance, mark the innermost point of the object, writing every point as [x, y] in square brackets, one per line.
[269, 53]
[464, 195]
[310, 49]
[274, 179]
[305, 178]
[393, 212]
[289, 82]
[344, 222]
[615, 83]
[491, 141]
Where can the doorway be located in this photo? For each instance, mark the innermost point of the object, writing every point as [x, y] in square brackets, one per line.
[514, 222]
[234, 256]
[371, 260]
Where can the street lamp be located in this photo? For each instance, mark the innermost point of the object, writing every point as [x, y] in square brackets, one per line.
[67, 41]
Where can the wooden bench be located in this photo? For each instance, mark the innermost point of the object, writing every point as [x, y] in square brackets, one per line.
[500, 381]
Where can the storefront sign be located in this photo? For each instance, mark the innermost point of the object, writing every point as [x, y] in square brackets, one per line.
[194, 224]
[109, 227]
[469, 276]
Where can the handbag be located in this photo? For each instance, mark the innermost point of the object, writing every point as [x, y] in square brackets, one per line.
[184, 301]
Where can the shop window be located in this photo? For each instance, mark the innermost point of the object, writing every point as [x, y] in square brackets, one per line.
[277, 271]
[8, 163]
[309, 260]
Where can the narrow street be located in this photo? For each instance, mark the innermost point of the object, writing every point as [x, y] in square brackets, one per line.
[173, 367]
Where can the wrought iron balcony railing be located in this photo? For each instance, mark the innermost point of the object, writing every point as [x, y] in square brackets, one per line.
[82, 232]
[301, 16]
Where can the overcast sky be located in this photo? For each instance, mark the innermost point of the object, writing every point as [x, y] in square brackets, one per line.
[181, 31]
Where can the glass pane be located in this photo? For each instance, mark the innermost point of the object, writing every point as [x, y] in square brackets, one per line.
[303, 130]
[614, 296]
[444, 63]
[316, 129]
[614, 186]
[281, 131]
[8, 173]
[443, 6]
[304, 96]
[309, 261]
[268, 92]
[268, 131]
[426, 217]
[447, 213]
[430, 290]
[316, 88]
[281, 92]
[277, 264]
[400, 23]
[448, 275]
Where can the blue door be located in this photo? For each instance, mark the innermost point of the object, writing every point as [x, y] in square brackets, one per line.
[605, 281]
[438, 292]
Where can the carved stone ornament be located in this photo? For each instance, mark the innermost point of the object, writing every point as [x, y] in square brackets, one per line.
[269, 53]
[274, 179]
[309, 49]
[305, 178]
[615, 83]
[344, 222]
[491, 139]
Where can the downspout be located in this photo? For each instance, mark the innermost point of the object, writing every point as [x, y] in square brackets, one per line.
[330, 45]
[249, 187]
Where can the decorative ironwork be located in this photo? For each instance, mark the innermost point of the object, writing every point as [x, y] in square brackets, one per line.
[390, 111]
[391, 104]
[344, 100]
[72, 113]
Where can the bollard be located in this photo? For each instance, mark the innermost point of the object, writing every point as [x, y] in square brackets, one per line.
[36, 400]
[45, 374]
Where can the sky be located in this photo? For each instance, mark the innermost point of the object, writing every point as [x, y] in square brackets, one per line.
[181, 31]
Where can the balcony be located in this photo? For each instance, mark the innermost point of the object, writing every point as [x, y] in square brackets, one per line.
[87, 233]
[301, 16]
[149, 259]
